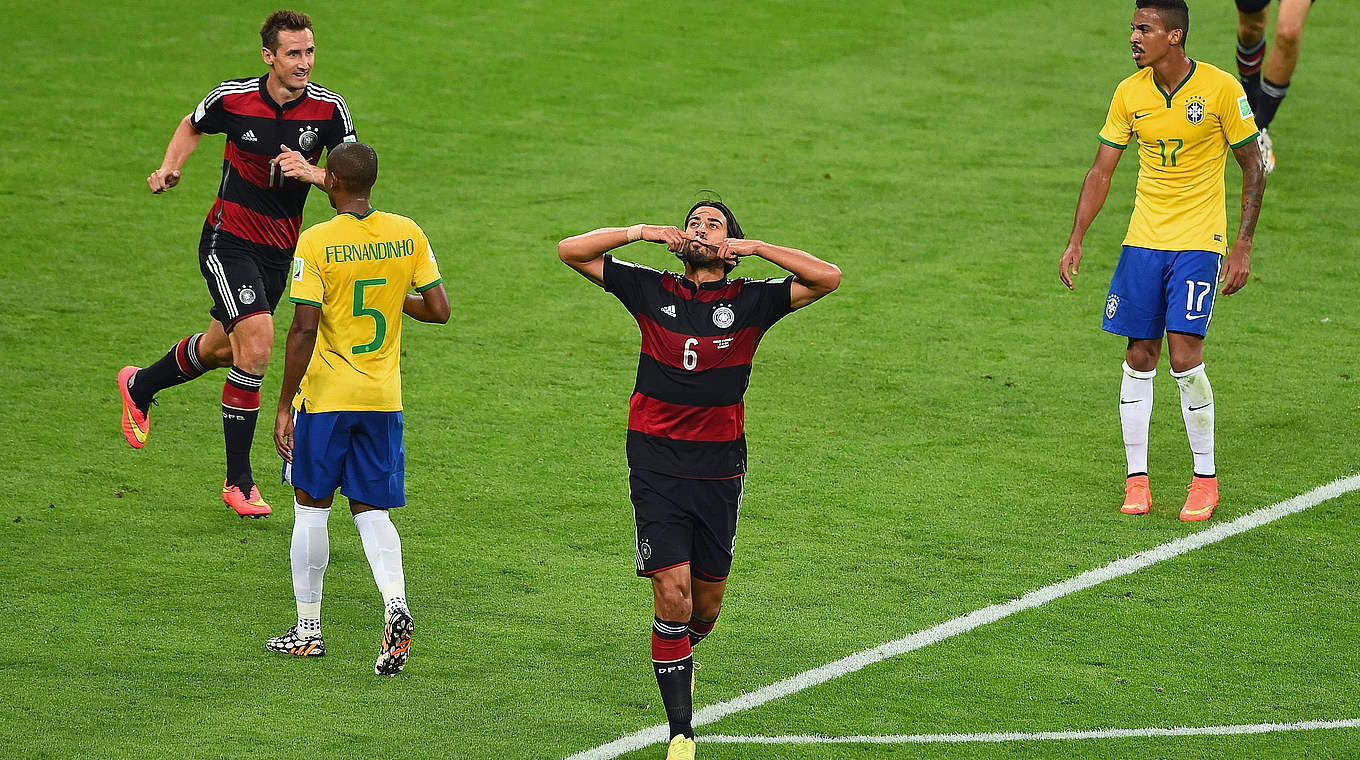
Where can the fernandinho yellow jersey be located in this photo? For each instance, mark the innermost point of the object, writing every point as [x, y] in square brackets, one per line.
[1183, 141]
[358, 270]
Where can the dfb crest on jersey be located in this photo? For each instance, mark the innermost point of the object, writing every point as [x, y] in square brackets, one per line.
[1111, 306]
[1194, 110]
[307, 138]
[246, 295]
[723, 317]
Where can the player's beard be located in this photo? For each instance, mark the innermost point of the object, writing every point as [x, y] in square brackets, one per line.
[700, 256]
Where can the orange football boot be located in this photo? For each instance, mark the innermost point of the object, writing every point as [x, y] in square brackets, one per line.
[136, 425]
[1137, 496]
[254, 506]
[1200, 502]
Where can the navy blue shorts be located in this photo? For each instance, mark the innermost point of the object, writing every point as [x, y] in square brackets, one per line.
[361, 453]
[1154, 292]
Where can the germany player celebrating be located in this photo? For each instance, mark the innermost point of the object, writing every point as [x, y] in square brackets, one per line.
[686, 443]
[276, 126]
[1184, 117]
[339, 421]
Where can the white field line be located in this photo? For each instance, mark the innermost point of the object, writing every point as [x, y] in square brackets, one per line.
[968, 622]
[1105, 733]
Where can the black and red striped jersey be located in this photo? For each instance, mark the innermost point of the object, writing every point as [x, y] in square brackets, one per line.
[254, 202]
[687, 416]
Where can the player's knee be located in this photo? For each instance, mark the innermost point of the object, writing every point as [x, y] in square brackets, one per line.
[252, 359]
[1287, 38]
[1251, 31]
[1141, 358]
[707, 609]
[672, 602]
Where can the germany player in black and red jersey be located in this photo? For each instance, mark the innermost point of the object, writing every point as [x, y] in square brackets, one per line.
[686, 419]
[276, 126]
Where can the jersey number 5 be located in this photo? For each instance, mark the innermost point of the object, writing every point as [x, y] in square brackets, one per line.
[379, 321]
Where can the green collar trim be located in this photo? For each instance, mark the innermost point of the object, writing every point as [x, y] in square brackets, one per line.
[364, 215]
[1162, 92]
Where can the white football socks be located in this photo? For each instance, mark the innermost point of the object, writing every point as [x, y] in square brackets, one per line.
[1135, 415]
[310, 554]
[382, 545]
[1197, 407]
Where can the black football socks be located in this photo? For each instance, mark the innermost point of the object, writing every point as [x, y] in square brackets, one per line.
[673, 660]
[1249, 58]
[240, 408]
[179, 365]
[1271, 96]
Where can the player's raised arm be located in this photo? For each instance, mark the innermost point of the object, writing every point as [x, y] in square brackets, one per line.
[585, 252]
[182, 145]
[1237, 266]
[1093, 192]
[812, 277]
[297, 355]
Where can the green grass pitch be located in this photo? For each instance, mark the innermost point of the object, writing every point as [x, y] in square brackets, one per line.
[937, 436]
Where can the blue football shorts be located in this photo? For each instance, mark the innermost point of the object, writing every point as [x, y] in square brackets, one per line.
[1154, 292]
[361, 453]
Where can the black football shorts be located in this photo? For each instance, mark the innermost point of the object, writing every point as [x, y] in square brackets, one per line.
[683, 521]
[242, 279]
[1252, 6]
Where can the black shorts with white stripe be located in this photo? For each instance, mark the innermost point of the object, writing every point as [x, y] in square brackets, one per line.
[243, 278]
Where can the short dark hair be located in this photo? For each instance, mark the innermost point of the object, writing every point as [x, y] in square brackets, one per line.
[355, 164]
[280, 20]
[1175, 14]
[733, 229]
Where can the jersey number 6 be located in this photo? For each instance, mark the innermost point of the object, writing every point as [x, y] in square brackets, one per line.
[379, 321]
[689, 356]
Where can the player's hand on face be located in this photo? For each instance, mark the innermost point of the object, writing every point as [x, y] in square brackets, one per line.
[671, 237]
[283, 435]
[1069, 264]
[162, 180]
[1236, 268]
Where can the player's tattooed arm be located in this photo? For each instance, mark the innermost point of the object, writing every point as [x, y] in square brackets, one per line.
[585, 252]
[182, 145]
[1094, 189]
[1237, 265]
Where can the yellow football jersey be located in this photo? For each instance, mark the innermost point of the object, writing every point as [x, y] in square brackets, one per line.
[1183, 141]
[358, 270]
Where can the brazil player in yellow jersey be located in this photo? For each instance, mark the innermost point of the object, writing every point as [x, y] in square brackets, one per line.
[1185, 116]
[339, 421]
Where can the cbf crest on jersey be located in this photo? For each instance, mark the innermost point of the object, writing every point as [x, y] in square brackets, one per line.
[1194, 110]
[307, 138]
[1111, 306]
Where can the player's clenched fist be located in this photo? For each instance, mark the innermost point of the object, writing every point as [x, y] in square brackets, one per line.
[162, 180]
